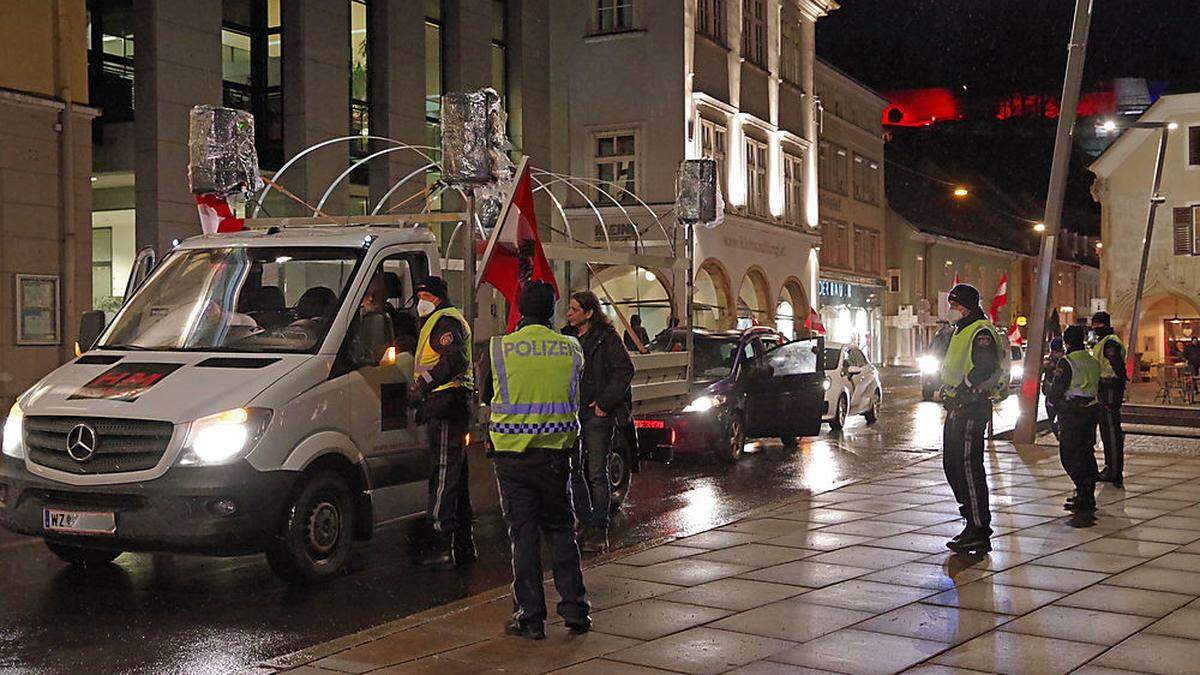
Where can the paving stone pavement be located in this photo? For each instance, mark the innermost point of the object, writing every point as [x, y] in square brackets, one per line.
[857, 580]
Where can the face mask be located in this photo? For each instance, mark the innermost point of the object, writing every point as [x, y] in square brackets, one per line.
[425, 308]
[954, 315]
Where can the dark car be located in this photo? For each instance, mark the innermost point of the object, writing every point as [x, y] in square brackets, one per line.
[748, 384]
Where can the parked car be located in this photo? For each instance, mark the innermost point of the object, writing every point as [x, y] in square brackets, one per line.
[748, 384]
[852, 385]
[1017, 368]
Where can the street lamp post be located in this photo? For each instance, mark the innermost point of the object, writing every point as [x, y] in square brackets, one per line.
[1155, 199]
[1076, 52]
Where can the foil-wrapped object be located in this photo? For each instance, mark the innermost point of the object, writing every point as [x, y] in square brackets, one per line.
[697, 196]
[221, 154]
[475, 145]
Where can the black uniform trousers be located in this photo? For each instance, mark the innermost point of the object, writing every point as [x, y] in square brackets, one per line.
[1077, 443]
[448, 417]
[962, 460]
[535, 496]
[1112, 397]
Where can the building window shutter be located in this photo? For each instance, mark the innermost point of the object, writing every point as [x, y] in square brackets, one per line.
[1184, 231]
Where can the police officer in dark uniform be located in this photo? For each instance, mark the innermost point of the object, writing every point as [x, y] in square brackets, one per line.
[442, 388]
[974, 376]
[1049, 369]
[1109, 352]
[1073, 392]
[534, 391]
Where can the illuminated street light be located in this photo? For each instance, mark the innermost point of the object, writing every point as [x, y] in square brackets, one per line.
[1039, 227]
[1173, 126]
[961, 192]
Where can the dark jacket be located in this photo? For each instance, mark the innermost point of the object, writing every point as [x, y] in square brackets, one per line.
[449, 339]
[607, 371]
[642, 335]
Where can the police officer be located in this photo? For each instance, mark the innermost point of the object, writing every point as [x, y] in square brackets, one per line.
[974, 375]
[1049, 369]
[534, 394]
[1109, 351]
[443, 382]
[1073, 392]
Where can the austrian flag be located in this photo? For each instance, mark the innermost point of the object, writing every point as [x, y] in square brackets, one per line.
[1000, 300]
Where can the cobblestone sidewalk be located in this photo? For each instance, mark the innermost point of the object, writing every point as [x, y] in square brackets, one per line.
[858, 580]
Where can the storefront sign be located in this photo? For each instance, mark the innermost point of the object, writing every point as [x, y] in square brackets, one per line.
[747, 244]
[835, 292]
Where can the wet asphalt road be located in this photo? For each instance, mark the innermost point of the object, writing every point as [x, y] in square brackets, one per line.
[192, 614]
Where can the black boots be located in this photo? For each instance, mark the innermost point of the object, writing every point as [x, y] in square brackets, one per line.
[1084, 499]
[529, 631]
[971, 540]
[595, 541]
[1107, 476]
[464, 546]
[449, 550]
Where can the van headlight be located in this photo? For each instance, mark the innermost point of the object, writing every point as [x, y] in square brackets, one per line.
[14, 430]
[827, 384]
[221, 438]
[928, 364]
[704, 403]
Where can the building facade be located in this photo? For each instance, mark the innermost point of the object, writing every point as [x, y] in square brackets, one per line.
[644, 85]
[853, 209]
[309, 71]
[1170, 314]
[45, 195]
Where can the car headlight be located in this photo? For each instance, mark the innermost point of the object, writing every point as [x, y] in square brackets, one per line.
[704, 403]
[14, 429]
[1016, 370]
[221, 438]
[827, 384]
[928, 364]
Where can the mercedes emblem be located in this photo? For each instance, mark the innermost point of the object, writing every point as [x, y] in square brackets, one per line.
[81, 443]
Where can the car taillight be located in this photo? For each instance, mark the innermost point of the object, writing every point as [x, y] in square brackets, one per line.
[672, 436]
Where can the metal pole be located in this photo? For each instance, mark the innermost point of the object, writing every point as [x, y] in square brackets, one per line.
[469, 286]
[1132, 366]
[690, 337]
[1076, 53]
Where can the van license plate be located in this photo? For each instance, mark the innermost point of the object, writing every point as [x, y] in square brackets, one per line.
[79, 522]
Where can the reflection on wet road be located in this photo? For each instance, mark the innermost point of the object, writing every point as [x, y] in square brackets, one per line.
[160, 613]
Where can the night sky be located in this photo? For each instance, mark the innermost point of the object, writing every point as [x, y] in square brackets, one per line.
[1001, 46]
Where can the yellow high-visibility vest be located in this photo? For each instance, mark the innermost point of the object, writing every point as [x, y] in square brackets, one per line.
[535, 380]
[959, 361]
[427, 357]
[1106, 369]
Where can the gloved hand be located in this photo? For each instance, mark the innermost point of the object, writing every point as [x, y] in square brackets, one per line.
[416, 393]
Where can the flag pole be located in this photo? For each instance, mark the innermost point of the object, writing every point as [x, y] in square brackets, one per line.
[1026, 429]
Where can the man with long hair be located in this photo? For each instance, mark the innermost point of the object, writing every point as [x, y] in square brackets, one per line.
[605, 396]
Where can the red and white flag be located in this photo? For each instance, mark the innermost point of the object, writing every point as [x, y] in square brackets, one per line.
[513, 255]
[216, 215]
[1000, 299]
[956, 280]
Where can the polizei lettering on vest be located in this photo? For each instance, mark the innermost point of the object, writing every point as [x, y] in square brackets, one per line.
[537, 348]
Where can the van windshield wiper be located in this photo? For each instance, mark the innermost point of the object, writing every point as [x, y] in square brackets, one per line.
[131, 348]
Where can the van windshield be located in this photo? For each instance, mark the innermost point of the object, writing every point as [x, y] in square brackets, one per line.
[237, 299]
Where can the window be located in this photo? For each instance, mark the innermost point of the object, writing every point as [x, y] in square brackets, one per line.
[616, 163]
[893, 280]
[754, 31]
[614, 15]
[712, 146]
[1185, 230]
[433, 87]
[359, 102]
[793, 189]
[500, 50]
[866, 179]
[110, 58]
[710, 19]
[832, 167]
[251, 62]
[756, 177]
[102, 264]
[790, 51]
[1193, 146]
[835, 244]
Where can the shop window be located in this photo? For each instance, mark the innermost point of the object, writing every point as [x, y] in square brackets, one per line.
[102, 264]
[754, 31]
[359, 91]
[110, 58]
[710, 19]
[251, 71]
[614, 15]
[434, 88]
[615, 163]
[712, 146]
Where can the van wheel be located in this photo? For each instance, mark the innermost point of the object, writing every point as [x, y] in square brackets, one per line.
[789, 442]
[872, 413]
[839, 414]
[313, 543]
[80, 556]
[736, 440]
[619, 476]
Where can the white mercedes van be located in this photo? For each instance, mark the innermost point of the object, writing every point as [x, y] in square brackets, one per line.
[249, 397]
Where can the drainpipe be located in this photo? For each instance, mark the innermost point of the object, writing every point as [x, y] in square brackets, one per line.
[67, 235]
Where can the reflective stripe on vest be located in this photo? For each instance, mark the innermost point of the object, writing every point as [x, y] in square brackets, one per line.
[427, 357]
[535, 380]
[960, 360]
[1106, 369]
[1085, 375]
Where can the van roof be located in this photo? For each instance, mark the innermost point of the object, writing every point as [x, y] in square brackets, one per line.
[330, 235]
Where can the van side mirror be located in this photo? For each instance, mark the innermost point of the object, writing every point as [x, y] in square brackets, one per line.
[374, 337]
[91, 325]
